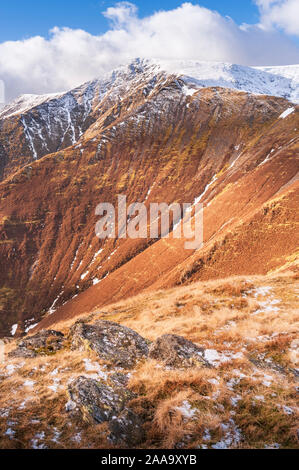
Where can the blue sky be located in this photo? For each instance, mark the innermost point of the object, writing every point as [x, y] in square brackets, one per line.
[21, 19]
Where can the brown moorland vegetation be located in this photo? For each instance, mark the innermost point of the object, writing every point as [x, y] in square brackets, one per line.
[248, 328]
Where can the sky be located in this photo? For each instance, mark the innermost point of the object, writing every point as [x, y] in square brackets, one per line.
[23, 19]
[53, 45]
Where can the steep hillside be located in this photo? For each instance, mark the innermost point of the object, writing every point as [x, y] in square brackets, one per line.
[155, 137]
[265, 241]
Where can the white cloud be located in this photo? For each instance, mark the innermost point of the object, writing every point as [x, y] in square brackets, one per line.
[283, 14]
[70, 57]
[122, 13]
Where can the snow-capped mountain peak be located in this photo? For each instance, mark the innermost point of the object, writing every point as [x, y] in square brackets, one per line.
[52, 122]
[280, 81]
[26, 102]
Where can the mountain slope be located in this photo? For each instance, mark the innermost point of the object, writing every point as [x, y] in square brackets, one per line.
[153, 139]
[259, 243]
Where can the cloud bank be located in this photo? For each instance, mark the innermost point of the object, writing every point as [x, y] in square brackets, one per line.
[71, 57]
[282, 14]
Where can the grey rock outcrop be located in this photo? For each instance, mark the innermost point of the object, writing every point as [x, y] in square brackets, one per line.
[97, 401]
[127, 428]
[113, 343]
[46, 342]
[177, 352]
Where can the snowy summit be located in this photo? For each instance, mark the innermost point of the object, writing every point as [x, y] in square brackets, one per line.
[281, 81]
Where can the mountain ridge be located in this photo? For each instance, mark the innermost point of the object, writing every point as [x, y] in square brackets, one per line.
[49, 123]
[192, 69]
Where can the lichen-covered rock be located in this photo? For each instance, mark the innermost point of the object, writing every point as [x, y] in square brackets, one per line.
[119, 379]
[96, 401]
[22, 352]
[44, 342]
[126, 428]
[113, 343]
[176, 351]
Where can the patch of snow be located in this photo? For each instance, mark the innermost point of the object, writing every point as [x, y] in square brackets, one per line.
[35, 443]
[263, 291]
[188, 91]
[4, 412]
[75, 257]
[268, 157]
[199, 198]
[149, 192]
[267, 381]
[112, 254]
[30, 327]
[104, 277]
[77, 437]
[56, 437]
[70, 406]
[288, 410]
[207, 436]
[10, 433]
[235, 400]
[96, 255]
[52, 309]
[235, 161]
[14, 329]
[215, 358]
[11, 368]
[267, 306]
[55, 385]
[28, 136]
[272, 446]
[94, 367]
[83, 276]
[23, 404]
[186, 410]
[260, 397]
[233, 382]
[29, 383]
[287, 112]
[231, 437]
[239, 374]
[213, 381]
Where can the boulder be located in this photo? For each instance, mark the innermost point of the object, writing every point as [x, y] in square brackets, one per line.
[113, 343]
[177, 352]
[119, 379]
[45, 342]
[127, 428]
[22, 352]
[96, 401]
